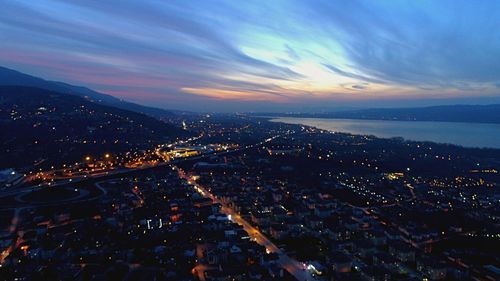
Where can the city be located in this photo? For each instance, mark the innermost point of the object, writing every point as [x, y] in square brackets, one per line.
[306, 203]
[257, 141]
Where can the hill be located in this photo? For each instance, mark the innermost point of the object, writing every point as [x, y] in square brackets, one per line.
[445, 113]
[9, 77]
[39, 125]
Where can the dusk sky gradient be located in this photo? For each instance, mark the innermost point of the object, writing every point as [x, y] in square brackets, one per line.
[261, 55]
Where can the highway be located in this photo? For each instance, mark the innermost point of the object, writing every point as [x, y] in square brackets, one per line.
[121, 171]
[292, 266]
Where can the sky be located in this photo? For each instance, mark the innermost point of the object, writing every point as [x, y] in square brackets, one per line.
[261, 55]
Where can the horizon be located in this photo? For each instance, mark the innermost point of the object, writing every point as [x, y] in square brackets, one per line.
[251, 140]
[313, 56]
[299, 110]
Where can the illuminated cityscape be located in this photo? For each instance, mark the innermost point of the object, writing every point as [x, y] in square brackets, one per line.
[260, 140]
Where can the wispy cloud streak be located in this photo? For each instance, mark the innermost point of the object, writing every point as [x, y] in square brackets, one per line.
[283, 52]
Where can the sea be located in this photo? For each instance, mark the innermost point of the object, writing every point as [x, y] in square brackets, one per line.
[478, 135]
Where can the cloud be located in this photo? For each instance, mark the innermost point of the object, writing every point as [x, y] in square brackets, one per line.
[359, 86]
[447, 44]
[352, 75]
[280, 51]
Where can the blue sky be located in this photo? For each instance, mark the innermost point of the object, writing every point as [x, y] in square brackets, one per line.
[261, 55]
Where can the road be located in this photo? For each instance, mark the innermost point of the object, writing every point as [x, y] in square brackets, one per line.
[121, 171]
[294, 267]
[12, 230]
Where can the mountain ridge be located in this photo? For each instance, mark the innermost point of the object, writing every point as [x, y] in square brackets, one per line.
[440, 113]
[11, 77]
[38, 123]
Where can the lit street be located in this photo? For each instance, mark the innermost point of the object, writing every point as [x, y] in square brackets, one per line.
[294, 267]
